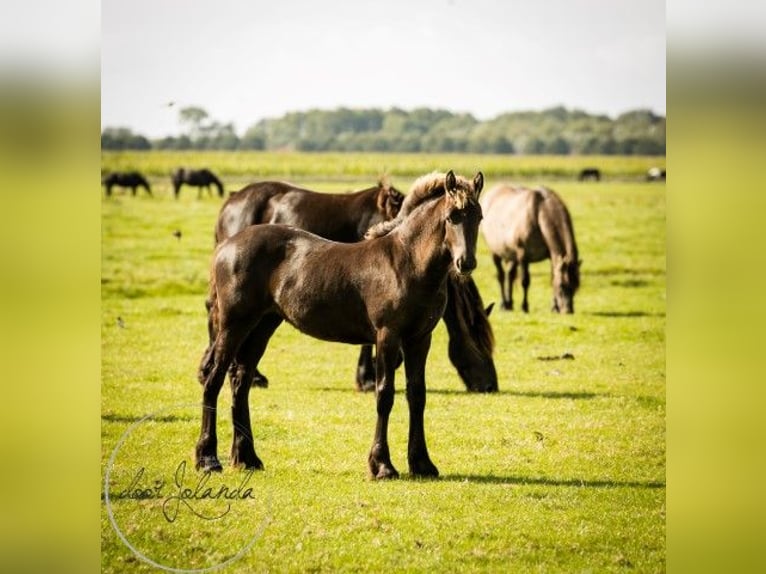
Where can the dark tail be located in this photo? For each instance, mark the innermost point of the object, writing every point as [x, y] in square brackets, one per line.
[211, 305]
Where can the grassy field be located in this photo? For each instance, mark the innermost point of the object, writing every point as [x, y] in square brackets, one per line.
[563, 470]
[350, 166]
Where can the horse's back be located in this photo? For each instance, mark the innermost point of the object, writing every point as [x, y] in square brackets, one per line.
[510, 225]
[339, 217]
[249, 206]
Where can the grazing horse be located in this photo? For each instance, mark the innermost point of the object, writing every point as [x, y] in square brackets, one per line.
[131, 179]
[197, 178]
[389, 291]
[523, 226]
[590, 173]
[346, 217]
[655, 174]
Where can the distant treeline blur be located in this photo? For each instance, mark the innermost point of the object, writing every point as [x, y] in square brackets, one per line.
[555, 131]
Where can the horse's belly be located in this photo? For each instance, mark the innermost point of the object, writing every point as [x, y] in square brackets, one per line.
[336, 320]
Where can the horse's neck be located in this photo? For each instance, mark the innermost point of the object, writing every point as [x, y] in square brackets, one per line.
[422, 236]
[559, 234]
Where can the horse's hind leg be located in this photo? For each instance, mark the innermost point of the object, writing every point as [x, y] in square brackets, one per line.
[365, 370]
[241, 375]
[525, 280]
[497, 260]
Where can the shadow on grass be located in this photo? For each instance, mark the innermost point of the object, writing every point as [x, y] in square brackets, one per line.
[117, 418]
[542, 481]
[623, 314]
[528, 394]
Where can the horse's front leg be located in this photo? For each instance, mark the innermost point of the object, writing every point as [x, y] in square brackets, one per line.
[525, 280]
[387, 350]
[497, 260]
[415, 354]
[512, 271]
[365, 370]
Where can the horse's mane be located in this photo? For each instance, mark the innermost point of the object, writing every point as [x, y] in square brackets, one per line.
[571, 255]
[425, 188]
[470, 314]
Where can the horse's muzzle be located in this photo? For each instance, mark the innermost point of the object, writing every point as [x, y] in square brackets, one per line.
[465, 265]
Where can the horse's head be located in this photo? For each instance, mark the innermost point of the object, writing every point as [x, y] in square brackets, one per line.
[389, 200]
[462, 214]
[566, 281]
[471, 340]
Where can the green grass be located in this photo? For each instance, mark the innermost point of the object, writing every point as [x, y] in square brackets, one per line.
[562, 471]
[345, 166]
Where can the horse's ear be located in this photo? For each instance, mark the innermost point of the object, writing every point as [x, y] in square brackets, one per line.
[450, 182]
[478, 183]
[488, 310]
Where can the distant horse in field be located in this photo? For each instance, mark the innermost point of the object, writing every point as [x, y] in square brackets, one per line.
[655, 174]
[196, 178]
[590, 173]
[390, 291]
[131, 179]
[345, 217]
[523, 226]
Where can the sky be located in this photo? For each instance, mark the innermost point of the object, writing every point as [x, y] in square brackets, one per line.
[246, 60]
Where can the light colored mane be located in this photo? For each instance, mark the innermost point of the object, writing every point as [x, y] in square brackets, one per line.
[425, 188]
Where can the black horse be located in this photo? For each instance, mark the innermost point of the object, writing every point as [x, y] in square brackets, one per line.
[590, 173]
[346, 217]
[131, 179]
[197, 178]
[390, 291]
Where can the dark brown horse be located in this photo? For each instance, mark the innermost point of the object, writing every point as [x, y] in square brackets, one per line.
[523, 226]
[131, 179]
[389, 291]
[198, 178]
[346, 217]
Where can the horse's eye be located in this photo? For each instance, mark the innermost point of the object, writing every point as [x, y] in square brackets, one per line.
[455, 217]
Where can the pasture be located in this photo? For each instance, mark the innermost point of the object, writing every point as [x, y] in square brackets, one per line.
[563, 470]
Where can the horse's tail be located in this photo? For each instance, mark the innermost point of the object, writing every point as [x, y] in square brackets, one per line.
[177, 177]
[211, 305]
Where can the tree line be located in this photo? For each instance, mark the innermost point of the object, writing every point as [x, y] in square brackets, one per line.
[555, 131]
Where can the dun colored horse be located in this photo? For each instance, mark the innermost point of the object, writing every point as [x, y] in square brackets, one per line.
[523, 226]
[198, 178]
[131, 179]
[389, 291]
[346, 217]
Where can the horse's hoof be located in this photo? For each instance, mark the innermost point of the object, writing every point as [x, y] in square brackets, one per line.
[209, 464]
[386, 473]
[365, 386]
[382, 470]
[253, 464]
[424, 468]
[507, 306]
